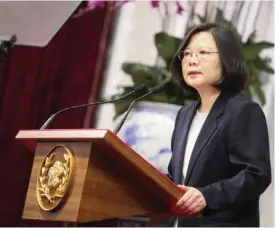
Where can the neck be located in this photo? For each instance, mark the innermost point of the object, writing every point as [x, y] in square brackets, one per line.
[208, 97]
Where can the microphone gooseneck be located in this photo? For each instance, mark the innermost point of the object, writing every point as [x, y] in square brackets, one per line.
[139, 88]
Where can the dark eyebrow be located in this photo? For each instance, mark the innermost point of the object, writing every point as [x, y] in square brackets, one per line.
[210, 48]
[207, 48]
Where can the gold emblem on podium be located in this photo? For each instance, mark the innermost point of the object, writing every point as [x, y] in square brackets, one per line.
[54, 178]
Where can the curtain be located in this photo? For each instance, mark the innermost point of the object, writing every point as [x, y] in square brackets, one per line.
[35, 83]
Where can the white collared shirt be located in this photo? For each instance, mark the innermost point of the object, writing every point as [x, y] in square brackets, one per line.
[193, 134]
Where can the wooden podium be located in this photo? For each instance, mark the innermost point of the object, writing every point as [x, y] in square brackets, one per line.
[108, 179]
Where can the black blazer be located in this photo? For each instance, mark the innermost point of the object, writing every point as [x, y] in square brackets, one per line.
[230, 162]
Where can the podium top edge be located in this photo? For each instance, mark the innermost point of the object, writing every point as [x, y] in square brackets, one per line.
[49, 134]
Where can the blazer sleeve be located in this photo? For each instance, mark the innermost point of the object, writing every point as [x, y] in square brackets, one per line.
[249, 158]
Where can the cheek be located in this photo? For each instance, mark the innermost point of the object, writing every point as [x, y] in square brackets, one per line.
[213, 72]
[184, 71]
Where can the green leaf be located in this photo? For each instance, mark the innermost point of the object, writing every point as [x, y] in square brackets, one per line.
[251, 37]
[188, 101]
[264, 44]
[246, 92]
[201, 18]
[256, 84]
[121, 106]
[221, 20]
[160, 97]
[258, 90]
[252, 50]
[167, 46]
[143, 74]
[263, 65]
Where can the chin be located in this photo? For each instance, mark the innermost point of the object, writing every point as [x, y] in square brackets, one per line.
[195, 83]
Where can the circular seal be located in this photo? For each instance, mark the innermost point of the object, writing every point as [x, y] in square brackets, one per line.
[55, 177]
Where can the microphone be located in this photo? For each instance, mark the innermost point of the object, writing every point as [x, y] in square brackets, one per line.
[139, 88]
[155, 90]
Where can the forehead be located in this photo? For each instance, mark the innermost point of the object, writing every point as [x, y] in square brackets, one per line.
[202, 39]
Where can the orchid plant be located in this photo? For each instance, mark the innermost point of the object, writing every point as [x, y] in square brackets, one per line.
[92, 4]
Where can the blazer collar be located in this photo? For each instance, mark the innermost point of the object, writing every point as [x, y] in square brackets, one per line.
[181, 144]
[207, 129]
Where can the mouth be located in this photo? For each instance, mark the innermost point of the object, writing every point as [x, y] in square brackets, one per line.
[193, 73]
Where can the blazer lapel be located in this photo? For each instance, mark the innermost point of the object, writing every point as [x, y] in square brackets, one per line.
[207, 130]
[180, 150]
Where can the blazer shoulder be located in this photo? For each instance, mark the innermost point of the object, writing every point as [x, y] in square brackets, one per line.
[244, 108]
[241, 101]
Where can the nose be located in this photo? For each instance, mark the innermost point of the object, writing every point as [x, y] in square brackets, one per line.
[193, 61]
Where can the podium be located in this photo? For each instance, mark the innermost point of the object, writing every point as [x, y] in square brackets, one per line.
[91, 175]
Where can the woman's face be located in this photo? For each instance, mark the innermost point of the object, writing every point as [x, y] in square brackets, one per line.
[201, 63]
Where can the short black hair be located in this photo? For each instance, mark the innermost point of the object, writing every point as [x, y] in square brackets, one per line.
[234, 68]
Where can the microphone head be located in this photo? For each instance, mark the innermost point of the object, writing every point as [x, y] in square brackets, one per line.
[158, 89]
[140, 88]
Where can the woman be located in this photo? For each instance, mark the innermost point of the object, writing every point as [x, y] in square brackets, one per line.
[220, 143]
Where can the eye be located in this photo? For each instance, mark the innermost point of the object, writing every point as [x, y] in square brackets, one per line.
[203, 52]
[186, 53]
